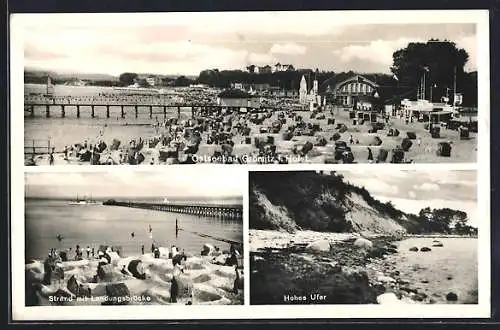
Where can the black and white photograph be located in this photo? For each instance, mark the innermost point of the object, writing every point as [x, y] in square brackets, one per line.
[133, 238]
[357, 237]
[362, 141]
[298, 87]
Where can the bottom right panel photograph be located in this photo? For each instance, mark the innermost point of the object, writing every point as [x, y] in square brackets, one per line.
[363, 237]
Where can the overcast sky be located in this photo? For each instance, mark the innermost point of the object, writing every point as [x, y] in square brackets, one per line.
[191, 42]
[188, 181]
[410, 191]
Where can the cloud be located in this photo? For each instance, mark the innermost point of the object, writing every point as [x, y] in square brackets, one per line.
[412, 194]
[377, 51]
[427, 187]
[469, 43]
[376, 186]
[174, 182]
[288, 49]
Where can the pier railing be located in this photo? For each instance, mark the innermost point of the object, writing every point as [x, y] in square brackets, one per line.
[216, 211]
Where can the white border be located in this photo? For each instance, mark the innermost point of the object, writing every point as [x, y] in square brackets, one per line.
[20, 312]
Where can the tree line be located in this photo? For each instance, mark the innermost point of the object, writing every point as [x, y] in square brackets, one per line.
[441, 62]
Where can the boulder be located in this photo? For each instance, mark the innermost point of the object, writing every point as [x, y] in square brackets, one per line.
[319, 246]
[363, 243]
[439, 244]
[451, 296]
[414, 249]
[385, 279]
[425, 249]
[388, 298]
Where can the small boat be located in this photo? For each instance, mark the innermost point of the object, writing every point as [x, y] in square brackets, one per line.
[79, 201]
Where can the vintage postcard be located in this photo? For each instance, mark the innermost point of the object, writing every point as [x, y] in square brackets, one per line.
[361, 145]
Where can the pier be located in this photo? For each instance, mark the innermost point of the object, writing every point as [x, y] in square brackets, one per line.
[129, 107]
[232, 211]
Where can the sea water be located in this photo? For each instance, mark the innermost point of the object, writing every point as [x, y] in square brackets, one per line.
[96, 224]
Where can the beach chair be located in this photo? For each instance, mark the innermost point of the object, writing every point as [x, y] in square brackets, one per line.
[435, 132]
[444, 149]
[406, 144]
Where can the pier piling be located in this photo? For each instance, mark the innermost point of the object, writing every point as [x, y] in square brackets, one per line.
[78, 111]
[47, 111]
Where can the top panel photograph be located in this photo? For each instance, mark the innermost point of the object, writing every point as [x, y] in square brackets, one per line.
[248, 88]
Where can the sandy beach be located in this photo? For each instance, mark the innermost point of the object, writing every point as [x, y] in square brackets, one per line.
[212, 284]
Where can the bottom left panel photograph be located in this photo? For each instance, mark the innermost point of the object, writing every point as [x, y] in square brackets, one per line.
[133, 238]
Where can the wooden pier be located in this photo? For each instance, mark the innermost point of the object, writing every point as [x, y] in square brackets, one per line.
[217, 211]
[151, 106]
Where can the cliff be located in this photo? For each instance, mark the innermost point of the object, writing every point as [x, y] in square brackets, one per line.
[319, 201]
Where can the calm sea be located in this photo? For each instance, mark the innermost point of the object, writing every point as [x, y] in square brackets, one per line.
[98, 224]
[451, 268]
[71, 130]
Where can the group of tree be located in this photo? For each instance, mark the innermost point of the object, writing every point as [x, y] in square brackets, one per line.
[442, 63]
[444, 221]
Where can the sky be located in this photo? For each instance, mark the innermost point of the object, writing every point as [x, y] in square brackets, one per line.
[191, 42]
[188, 181]
[410, 191]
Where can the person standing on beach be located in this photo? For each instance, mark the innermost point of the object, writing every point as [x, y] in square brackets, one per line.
[88, 252]
[142, 248]
[93, 253]
[370, 155]
[176, 228]
[51, 158]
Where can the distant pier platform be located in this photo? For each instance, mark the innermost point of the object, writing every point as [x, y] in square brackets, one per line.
[230, 211]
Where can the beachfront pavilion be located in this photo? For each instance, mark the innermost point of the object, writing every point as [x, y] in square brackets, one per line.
[426, 111]
[348, 92]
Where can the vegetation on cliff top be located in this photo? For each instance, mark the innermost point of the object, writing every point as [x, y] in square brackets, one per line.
[291, 200]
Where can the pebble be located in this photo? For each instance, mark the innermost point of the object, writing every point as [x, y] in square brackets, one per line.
[385, 279]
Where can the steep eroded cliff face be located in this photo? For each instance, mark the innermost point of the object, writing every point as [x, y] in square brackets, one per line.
[318, 201]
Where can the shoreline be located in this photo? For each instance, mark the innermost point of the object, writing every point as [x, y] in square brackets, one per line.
[376, 269]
